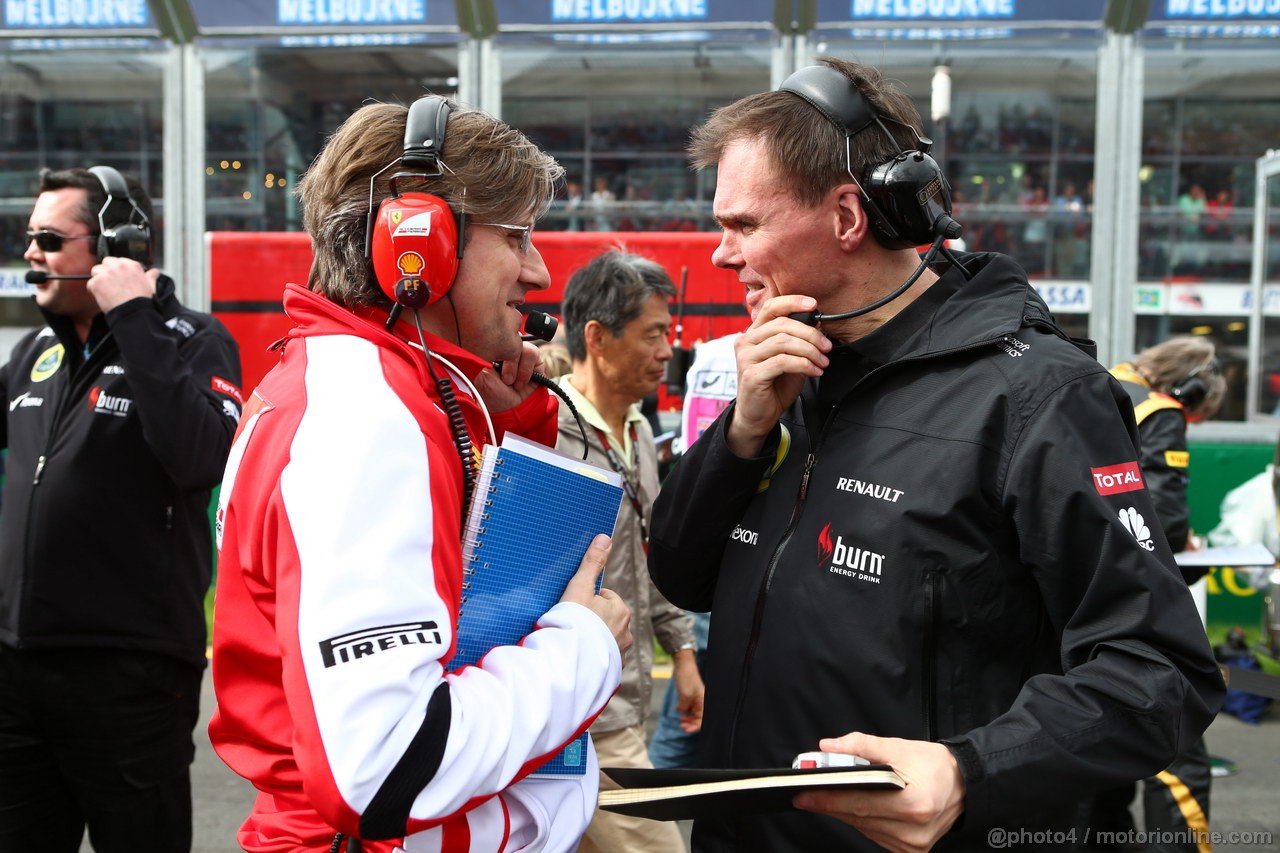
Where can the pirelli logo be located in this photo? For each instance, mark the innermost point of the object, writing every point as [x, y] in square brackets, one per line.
[1177, 458]
[367, 642]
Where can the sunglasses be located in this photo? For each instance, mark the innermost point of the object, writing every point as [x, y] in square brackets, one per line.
[51, 241]
[526, 233]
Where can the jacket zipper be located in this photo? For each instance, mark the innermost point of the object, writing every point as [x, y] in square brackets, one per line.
[930, 658]
[758, 612]
[63, 405]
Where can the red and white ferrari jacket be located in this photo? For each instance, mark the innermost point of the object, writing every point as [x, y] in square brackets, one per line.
[339, 578]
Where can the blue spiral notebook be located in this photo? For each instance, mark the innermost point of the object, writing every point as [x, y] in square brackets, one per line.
[532, 515]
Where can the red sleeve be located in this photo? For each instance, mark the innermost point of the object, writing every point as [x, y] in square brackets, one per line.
[535, 418]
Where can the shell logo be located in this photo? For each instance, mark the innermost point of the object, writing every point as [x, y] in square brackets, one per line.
[411, 264]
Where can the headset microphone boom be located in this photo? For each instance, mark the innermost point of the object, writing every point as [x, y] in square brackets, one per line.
[40, 277]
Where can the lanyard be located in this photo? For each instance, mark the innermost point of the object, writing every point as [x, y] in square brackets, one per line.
[628, 484]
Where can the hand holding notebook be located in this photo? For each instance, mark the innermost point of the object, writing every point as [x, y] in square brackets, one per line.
[605, 603]
[533, 515]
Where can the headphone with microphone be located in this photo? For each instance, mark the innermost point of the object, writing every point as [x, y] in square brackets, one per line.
[1192, 390]
[414, 239]
[129, 237]
[907, 198]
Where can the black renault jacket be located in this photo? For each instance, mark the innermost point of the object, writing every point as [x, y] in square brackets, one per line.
[959, 550]
[104, 536]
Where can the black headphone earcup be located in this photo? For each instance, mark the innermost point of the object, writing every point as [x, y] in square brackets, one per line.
[1190, 392]
[910, 196]
[131, 238]
[126, 241]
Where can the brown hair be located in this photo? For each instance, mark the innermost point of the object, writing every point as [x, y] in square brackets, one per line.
[806, 150]
[490, 171]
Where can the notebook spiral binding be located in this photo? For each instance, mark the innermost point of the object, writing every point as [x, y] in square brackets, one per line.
[477, 515]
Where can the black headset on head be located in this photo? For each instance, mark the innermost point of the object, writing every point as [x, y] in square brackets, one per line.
[1192, 390]
[907, 199]
[127, 236]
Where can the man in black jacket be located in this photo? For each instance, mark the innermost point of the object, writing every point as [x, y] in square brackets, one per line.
[921, 523]
[118, 418]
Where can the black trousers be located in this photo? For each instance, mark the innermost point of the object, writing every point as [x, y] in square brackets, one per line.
[96, 738]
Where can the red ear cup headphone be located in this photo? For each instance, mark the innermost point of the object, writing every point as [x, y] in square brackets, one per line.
[415, 256]
[414, 238]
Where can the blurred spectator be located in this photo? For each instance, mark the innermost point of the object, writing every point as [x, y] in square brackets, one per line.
[1218, 216]
[572, 203]
[1248, 512]
[1036, 231]
[1069, 211]
[1248, 516]
[679, 213]
[602, 201]
[1191, 205]
[1069, 199]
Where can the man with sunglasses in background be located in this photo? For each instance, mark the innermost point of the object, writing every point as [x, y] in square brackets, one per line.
[118, 417]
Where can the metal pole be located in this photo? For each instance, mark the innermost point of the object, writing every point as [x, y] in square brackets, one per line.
[184, 192]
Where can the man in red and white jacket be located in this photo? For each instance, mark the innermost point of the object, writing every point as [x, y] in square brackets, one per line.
[339, 527]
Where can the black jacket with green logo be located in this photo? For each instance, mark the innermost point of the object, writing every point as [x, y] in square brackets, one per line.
[104, 536]
[956, 547]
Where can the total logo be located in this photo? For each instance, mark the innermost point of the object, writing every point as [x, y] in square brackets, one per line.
[1137, 525]
[1115, 479]
[103, 403]
[848, 560]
